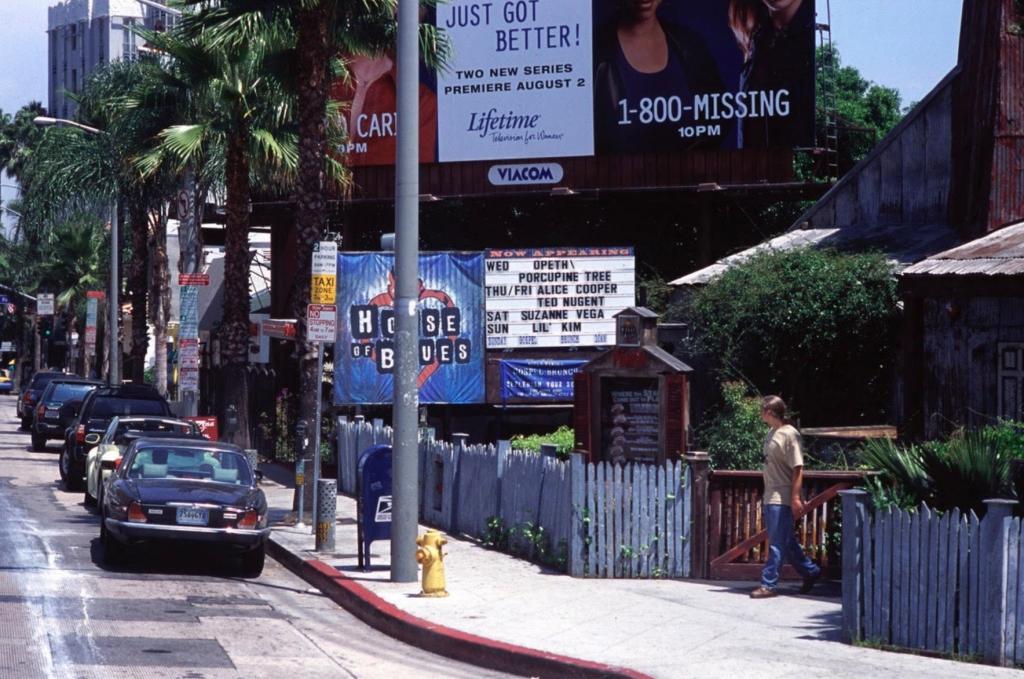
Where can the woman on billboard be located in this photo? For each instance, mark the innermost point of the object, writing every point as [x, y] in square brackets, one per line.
[776, 39]
[647, 72]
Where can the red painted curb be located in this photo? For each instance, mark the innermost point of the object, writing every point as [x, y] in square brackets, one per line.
[451, 643]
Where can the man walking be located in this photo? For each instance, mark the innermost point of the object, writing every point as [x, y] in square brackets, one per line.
[783, 479]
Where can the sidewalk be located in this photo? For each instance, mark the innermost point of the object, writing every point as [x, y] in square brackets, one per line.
[585, 627]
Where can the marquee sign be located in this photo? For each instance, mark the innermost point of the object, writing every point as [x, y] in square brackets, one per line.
[556, 297]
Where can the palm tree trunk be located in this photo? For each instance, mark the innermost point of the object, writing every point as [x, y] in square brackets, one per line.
[138, 273]
[190, 203]
[311, 209]
[235, 324]
[161, 295]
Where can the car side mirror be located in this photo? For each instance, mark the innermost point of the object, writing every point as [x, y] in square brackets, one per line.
[92, 439]
[259, 476]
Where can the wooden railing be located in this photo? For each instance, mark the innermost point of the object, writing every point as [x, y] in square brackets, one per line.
[737, 541]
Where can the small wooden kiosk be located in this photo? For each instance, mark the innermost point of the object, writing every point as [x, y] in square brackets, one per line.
[632, 403]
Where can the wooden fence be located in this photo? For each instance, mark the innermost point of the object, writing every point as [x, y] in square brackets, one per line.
[941, 582]
[594, 520]
[737, 540]
[632, 521]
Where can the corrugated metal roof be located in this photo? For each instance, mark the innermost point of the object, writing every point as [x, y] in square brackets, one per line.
[1001, 253]
[790, 240]
[903, 245]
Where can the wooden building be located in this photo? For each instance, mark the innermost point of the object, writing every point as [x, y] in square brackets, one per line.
[950, 174]
[964, 349]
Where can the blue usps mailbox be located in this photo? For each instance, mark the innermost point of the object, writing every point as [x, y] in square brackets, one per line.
[373, 495]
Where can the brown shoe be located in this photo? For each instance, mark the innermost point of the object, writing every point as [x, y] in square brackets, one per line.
[808, 584]
[763, 593]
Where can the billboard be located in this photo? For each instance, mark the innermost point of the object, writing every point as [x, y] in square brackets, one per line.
[451, 344]
[557, 297]
[533, 79]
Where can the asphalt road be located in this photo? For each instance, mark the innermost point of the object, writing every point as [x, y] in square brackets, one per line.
[168, 612]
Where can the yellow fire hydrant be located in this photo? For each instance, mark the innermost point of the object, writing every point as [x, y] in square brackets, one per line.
[429, 555]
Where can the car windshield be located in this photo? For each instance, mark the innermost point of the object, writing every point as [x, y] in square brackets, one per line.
[110, 406]
[162, 462]
[71, 392]
[125, 428]
[40, 380]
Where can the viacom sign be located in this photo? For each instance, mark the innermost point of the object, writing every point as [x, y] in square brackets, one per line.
[519, 175]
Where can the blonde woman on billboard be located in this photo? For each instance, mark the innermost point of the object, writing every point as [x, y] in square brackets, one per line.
[776, 39]
[646, 70]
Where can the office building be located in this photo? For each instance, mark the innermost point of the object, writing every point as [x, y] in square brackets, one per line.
[87, 34]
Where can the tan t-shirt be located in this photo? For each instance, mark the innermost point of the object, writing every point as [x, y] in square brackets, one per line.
[781, 454]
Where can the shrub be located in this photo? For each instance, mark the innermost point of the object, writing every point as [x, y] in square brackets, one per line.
[564, 439]
[972, 467]
[962, 472]
[734, 437]
[815, 325]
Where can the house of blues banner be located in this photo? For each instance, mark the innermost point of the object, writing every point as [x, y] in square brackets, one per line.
[451, 328]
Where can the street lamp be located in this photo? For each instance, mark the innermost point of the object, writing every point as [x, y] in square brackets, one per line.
[114, 376]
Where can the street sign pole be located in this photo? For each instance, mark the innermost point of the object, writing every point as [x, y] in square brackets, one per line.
[316, 434]
[405, 509]
[37, 346]
[44, 307]
[321, 328]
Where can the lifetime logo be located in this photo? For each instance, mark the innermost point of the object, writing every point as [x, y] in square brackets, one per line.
[519, 175]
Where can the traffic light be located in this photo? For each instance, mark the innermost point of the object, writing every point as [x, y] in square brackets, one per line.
[46, 326]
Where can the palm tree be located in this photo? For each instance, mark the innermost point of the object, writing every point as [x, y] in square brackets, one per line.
[18, 137]
[72, 172]
[107, 101]
[243, 111]
[74, 257]
[323, 33]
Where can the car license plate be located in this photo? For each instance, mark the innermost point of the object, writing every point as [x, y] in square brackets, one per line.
[52, 412]
[193, 516]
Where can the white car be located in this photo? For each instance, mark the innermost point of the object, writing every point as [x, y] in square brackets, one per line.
[107, 449]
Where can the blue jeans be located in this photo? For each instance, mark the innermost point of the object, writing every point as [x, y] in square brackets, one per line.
[782, 546]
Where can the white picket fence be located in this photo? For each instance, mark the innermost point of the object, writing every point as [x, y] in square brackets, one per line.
[933, 581]
[601, 520]
[634, 520]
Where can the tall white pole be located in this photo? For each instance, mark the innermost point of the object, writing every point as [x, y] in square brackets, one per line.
[405, 481]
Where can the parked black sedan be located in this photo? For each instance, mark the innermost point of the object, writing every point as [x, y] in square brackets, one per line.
[57, 407]
[185, 490]
[30, 395]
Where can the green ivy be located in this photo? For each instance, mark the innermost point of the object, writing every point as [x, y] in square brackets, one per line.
[533, 542]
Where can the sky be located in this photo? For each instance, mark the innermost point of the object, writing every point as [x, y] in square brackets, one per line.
[892, 42]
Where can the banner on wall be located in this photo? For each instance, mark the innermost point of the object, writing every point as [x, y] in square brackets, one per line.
[451, 328]
[538, 379]
[531, 79]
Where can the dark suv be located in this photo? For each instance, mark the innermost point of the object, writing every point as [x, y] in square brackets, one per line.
[58, 405]
[29, 397]
[98, 409]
